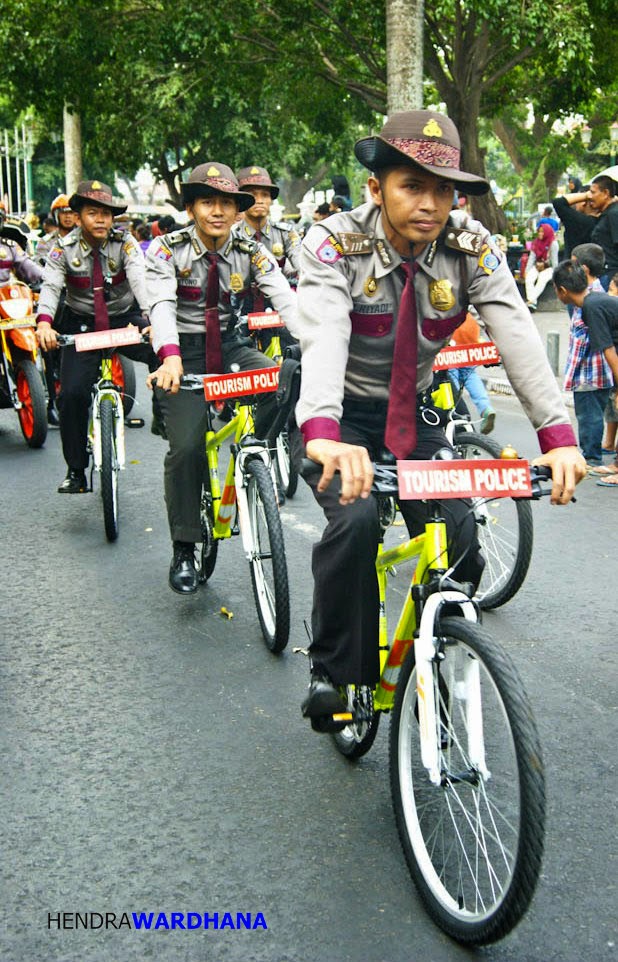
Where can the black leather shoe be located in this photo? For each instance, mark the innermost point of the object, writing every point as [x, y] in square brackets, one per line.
[74, 483]
[323, 697]
[52, 417]
[183, 574]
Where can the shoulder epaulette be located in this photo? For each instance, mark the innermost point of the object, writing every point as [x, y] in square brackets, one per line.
[245, 245]
[177, 237]
[464, 240]
[117, 234]
[354, 243]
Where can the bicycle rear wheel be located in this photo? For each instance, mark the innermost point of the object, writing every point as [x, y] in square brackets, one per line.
[474, 843]
[109, 469]
[356, 739]
[269, 573]
[123, 375]
[505, 532]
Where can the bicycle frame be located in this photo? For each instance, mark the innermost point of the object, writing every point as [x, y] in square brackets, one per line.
[430, 548]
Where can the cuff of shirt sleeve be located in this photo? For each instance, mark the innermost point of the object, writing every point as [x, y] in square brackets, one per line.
[322, 428]
[44, 319]
[169, 350]
[559, 436]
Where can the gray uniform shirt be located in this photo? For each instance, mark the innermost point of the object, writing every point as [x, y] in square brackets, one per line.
[12, 258]
[348, 299]
[281, 240]
[69, 263]
[176, 274]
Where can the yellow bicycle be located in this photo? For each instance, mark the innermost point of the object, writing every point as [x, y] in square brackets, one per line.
[465, 760]
[245, 503]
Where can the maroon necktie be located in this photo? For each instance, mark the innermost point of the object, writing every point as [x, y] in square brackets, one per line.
[101, 317]
[214, 360]
[400, 434]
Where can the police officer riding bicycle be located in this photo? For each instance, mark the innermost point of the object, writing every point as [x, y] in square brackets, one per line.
[198, 280]
[381, 290]
[102, 269]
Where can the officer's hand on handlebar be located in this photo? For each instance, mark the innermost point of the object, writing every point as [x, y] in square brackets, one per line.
[352, 462]
[168, 376]
[568, 467]
[46, 336]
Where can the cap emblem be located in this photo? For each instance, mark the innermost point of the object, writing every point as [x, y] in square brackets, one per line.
[213, 172]
[95, 185]
[432, 128]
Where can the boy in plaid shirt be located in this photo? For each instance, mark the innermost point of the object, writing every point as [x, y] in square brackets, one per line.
[587, 373]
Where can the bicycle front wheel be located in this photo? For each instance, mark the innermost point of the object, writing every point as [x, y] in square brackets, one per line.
[473, 843]
[33, 411]
[504, 529]
[269, 573]
[287, 473]
[109, 469]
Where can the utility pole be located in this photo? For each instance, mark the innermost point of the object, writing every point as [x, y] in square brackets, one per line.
[404, 54]
[72, 148]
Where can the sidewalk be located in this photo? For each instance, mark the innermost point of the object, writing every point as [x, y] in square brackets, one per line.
[547, 322]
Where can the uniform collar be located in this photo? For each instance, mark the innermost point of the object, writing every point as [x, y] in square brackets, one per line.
[385, 250]
[199, 249]
[85, 247]
[249, 231]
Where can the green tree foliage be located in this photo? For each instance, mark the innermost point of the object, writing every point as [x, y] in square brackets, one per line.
[291, 84]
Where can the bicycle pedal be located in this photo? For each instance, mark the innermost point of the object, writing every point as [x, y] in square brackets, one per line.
[330, 724]
[134, 422]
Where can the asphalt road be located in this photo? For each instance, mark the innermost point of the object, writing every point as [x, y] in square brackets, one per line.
[154, 758]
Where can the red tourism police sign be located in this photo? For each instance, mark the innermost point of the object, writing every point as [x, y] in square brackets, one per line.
[99, 340]
[219, 387]
[259, 320]
[467, 355]
[435, 480]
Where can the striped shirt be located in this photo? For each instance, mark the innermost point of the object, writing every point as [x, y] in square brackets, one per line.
[585, 369]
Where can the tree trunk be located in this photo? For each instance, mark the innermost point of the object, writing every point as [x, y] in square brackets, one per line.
[484, 208]
[72, 148]
[404, 54]
[293, 189]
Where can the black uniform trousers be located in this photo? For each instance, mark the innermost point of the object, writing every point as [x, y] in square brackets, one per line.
[78, 372]
[185, 416]
[345, 617]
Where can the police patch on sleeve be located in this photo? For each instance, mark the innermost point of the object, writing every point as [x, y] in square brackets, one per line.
[56, 253]
[262, 263]
[129, 248]
[489, 260]
[164, 253]
[329, 251]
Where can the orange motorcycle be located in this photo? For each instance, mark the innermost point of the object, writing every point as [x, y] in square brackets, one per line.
[21, 385]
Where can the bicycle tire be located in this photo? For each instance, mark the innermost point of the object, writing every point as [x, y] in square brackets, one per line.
[267, 561]
[210, 545]
[476, 879]
[356, 739]
[109, 470]
[123, 376]
[287, 472]
[505, 531]
[33, 412]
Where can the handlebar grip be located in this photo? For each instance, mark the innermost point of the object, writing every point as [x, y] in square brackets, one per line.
[310, 469]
